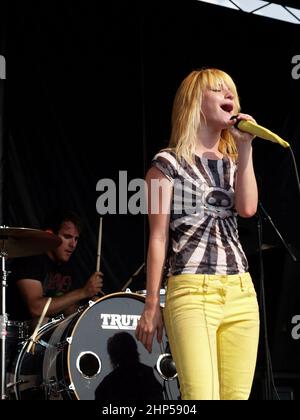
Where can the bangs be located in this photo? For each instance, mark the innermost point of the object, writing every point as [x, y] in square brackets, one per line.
[217, 79]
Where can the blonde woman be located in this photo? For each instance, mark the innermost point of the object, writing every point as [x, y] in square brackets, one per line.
[207, 178]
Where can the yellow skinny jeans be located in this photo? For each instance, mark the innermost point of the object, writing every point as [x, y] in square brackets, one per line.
[212, 323]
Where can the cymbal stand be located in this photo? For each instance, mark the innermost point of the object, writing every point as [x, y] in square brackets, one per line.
[3, 323]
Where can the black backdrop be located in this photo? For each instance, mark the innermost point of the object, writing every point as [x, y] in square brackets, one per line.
[89, 93]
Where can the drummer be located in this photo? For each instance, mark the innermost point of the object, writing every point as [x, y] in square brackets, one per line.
[34, 279]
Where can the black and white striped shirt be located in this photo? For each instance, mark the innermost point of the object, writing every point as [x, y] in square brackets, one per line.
[203, 225]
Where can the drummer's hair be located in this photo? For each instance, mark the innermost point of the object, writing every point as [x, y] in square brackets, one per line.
[55, 220]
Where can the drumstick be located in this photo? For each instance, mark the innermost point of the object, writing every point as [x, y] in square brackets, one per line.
[33, 337]
[99, 249]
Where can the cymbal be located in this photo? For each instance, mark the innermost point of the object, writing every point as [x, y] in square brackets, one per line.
[265, 247]
[24, 242]
[251, 250]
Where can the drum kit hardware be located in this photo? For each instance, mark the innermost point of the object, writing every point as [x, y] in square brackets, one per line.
[162, 295]
[18, 242]
[91, 354]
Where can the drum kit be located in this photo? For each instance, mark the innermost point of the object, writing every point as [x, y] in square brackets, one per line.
[91, 354]
[18, 242]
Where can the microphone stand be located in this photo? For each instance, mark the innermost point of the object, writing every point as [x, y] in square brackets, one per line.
[132, 277]
[262, 213]
[285, 244]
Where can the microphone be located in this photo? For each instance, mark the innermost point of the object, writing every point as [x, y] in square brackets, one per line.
[259, 131]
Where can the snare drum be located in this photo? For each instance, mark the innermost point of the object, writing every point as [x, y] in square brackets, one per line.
[16, 334]
[78, 357]
[16, 330]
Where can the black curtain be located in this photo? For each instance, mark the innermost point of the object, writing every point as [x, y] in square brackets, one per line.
[2, 134]
[75, 118]
[3, 70]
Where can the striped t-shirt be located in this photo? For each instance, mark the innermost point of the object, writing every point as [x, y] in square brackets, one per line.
[203, 225]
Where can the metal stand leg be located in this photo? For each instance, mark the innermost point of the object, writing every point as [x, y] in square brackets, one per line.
[3, 331]
[268, 374]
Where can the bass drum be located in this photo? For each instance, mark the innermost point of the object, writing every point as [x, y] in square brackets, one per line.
[93, 354]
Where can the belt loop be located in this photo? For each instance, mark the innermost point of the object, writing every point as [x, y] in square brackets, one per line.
[241, 282]
[205, 283]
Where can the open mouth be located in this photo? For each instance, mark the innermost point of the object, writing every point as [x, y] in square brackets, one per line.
[227, 107]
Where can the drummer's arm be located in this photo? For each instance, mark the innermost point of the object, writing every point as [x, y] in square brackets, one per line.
[32, 292]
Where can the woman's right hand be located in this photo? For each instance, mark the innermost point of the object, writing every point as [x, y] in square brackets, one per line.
[151, 322]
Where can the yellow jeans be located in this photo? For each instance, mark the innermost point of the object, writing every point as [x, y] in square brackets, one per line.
[212, 323]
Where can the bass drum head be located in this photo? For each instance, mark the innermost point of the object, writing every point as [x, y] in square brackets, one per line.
[93, 354]
[105, 360]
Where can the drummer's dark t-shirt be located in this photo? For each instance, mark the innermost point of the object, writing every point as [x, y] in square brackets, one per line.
[56, 279]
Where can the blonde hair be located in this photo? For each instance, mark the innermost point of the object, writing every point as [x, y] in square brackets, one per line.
[186, 114]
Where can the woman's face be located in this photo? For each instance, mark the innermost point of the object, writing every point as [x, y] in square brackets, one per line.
[217, 106]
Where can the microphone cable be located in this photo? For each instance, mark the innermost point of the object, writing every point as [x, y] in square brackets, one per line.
[295, 168]
[270, 381]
